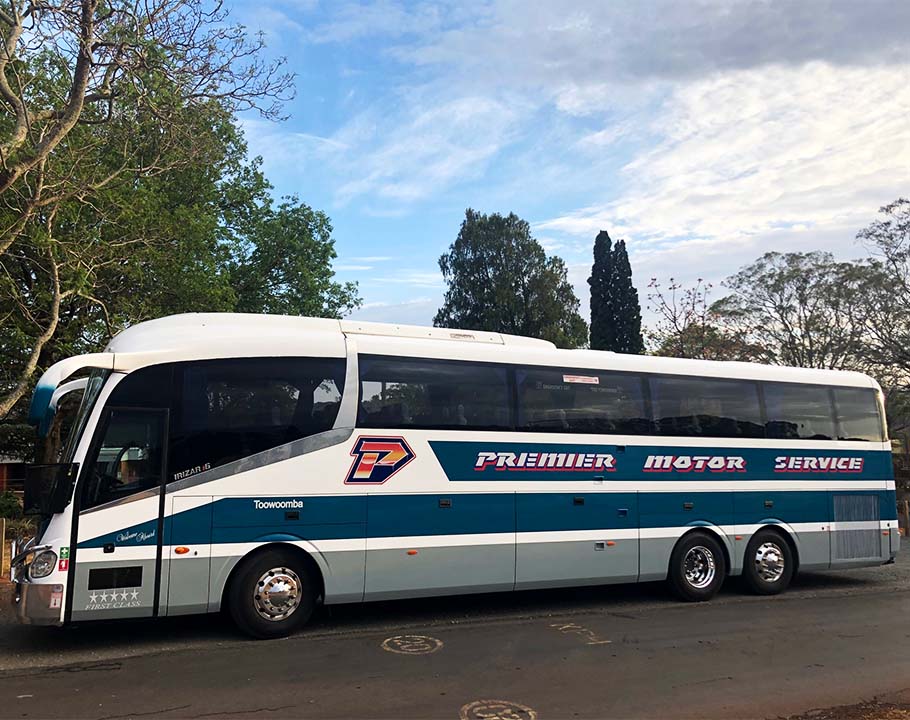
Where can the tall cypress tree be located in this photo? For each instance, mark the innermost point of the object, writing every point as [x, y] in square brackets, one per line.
[615, 310]
[626, 308]
[602, 329]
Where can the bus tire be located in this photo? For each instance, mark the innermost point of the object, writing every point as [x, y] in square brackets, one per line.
[272, 595]
[769, 564]
[698, 567]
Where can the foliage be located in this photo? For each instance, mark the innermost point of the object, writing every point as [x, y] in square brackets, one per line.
[887, 288]
[10, 507]
[615, 310]
[125, 185]
[17, 440]
[687, 327]
[802, 309]
[602, 329]
[500, 279]
[284, 265]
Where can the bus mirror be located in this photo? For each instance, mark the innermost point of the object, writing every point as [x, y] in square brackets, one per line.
[49, 488]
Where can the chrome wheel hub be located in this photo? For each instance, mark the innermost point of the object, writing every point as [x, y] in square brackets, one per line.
[699, 567]
[277, 594]
[769, 562]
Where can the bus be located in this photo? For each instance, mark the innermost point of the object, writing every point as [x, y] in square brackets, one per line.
[264, 464]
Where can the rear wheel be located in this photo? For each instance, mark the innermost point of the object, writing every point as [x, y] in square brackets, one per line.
[697, 567]
[768, 565]
[272, 595]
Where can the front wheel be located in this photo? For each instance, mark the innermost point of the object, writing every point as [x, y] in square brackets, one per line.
[697, 567]
[272, 595]
[768, 566]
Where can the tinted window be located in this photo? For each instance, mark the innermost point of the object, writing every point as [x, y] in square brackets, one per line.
[149, 387]
[129, 458]
[229, 409]
[714, 408]
[857, 414]
[799, 411]
[580, 401]
[411, 392]
[131, 450]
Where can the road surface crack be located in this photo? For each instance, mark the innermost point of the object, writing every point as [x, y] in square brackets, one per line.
[144, 714]
[251, 711]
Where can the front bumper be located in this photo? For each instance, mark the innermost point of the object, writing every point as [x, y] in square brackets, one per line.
[38, 604]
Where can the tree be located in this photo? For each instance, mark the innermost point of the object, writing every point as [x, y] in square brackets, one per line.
[67, 64]
[284, 265]
[603, 331]
[615, 310]
[802, 309]
[114, 109]
[887, 289]
[500, 279]
[626, 308]
[687, 328]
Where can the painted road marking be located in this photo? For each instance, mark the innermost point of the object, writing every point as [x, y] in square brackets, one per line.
[411, 644]
[496, 710]
[586, 634]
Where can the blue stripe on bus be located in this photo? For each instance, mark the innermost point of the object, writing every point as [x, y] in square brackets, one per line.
[359, 516]
[472, 461]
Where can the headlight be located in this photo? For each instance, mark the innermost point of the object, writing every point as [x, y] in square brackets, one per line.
[43, 564]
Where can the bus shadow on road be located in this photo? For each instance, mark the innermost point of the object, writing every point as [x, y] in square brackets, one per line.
[136, 637]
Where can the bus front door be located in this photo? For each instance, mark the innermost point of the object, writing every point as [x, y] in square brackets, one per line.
[116, 558]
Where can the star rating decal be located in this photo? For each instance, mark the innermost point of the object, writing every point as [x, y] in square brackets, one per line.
[100, 597]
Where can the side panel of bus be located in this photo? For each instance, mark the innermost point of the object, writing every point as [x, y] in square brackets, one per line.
[583, 538]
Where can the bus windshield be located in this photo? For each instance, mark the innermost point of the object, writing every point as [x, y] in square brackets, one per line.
[90, 396]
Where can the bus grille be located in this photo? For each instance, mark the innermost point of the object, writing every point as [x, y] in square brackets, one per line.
[857, 543]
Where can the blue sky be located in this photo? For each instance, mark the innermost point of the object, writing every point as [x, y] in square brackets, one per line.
[704, 133]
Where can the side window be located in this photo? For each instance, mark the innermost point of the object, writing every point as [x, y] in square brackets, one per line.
[799, 412]
[420, 393]
[130, 454]
[857, 414]
[706, 407]
[581, 401]
[129, 458]
[230, 409]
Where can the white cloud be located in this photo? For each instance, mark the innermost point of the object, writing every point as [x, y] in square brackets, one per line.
[352, 21]
[413, 278]
[344, 267]
[755, 160]
[704, 133]
[441, 142]
[419, 311]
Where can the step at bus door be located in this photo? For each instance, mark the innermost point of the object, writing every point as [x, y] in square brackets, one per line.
[187, 555]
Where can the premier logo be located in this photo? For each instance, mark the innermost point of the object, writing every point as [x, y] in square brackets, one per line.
[564, 461]
[376, 459]
[695, 463]
[809, 463]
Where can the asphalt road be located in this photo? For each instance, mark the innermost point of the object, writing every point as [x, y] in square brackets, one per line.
[625, 651]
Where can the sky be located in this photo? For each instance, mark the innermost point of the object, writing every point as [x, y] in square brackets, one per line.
[703, 133]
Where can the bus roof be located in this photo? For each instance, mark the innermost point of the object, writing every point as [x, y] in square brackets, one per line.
[209, 335]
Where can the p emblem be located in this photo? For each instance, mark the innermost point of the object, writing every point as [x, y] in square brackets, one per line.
[376, 459]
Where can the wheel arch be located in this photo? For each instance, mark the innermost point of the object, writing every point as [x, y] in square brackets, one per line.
[303, 554]
[782, 530]
[718, 535]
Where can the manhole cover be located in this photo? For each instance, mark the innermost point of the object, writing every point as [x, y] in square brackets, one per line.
[411, 644]
[497, 710]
